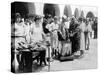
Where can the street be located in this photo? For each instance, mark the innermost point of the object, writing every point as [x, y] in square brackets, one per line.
[89, 61]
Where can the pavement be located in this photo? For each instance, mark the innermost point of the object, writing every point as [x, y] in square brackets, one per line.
[88, 61]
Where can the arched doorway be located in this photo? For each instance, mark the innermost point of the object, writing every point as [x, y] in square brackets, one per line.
[90, 15]
[82, 14]
[76, 13]
[68, 11]
[31, 8]
[52, 9]
[23, 8]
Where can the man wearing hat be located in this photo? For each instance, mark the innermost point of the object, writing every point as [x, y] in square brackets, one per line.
[88, 30]
[37, 30]
[53, 28]
[47, 20]
[74, 35]
[18, 34]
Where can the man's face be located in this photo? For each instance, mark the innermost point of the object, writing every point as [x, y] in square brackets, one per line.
[49, 20]
[18, 19]
[56, 21]
[38, 21]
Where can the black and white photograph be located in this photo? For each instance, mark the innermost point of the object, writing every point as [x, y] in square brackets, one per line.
[49, 37]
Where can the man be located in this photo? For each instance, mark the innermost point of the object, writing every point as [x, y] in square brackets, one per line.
[88, 30]
[62, 33]
[18, 35]
[95, 27]
[46, 23]
[74, 35]
[66, 28]
[53, 27]
[46, 20]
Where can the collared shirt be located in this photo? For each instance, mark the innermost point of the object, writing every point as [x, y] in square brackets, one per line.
[52, 26]
[18, 29]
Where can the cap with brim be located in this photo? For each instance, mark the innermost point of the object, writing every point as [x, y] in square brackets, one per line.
[38, 17]
[80, 19]
[17, 15]
[48, 16]
[64, 16]
[56, 18]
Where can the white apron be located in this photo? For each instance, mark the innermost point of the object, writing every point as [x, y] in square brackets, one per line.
[82, 36]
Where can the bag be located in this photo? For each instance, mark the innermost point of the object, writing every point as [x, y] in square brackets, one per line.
[60, 38]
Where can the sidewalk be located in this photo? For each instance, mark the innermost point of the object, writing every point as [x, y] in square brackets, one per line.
[89, 61]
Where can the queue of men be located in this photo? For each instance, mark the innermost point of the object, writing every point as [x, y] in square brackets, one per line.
[51, 33]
